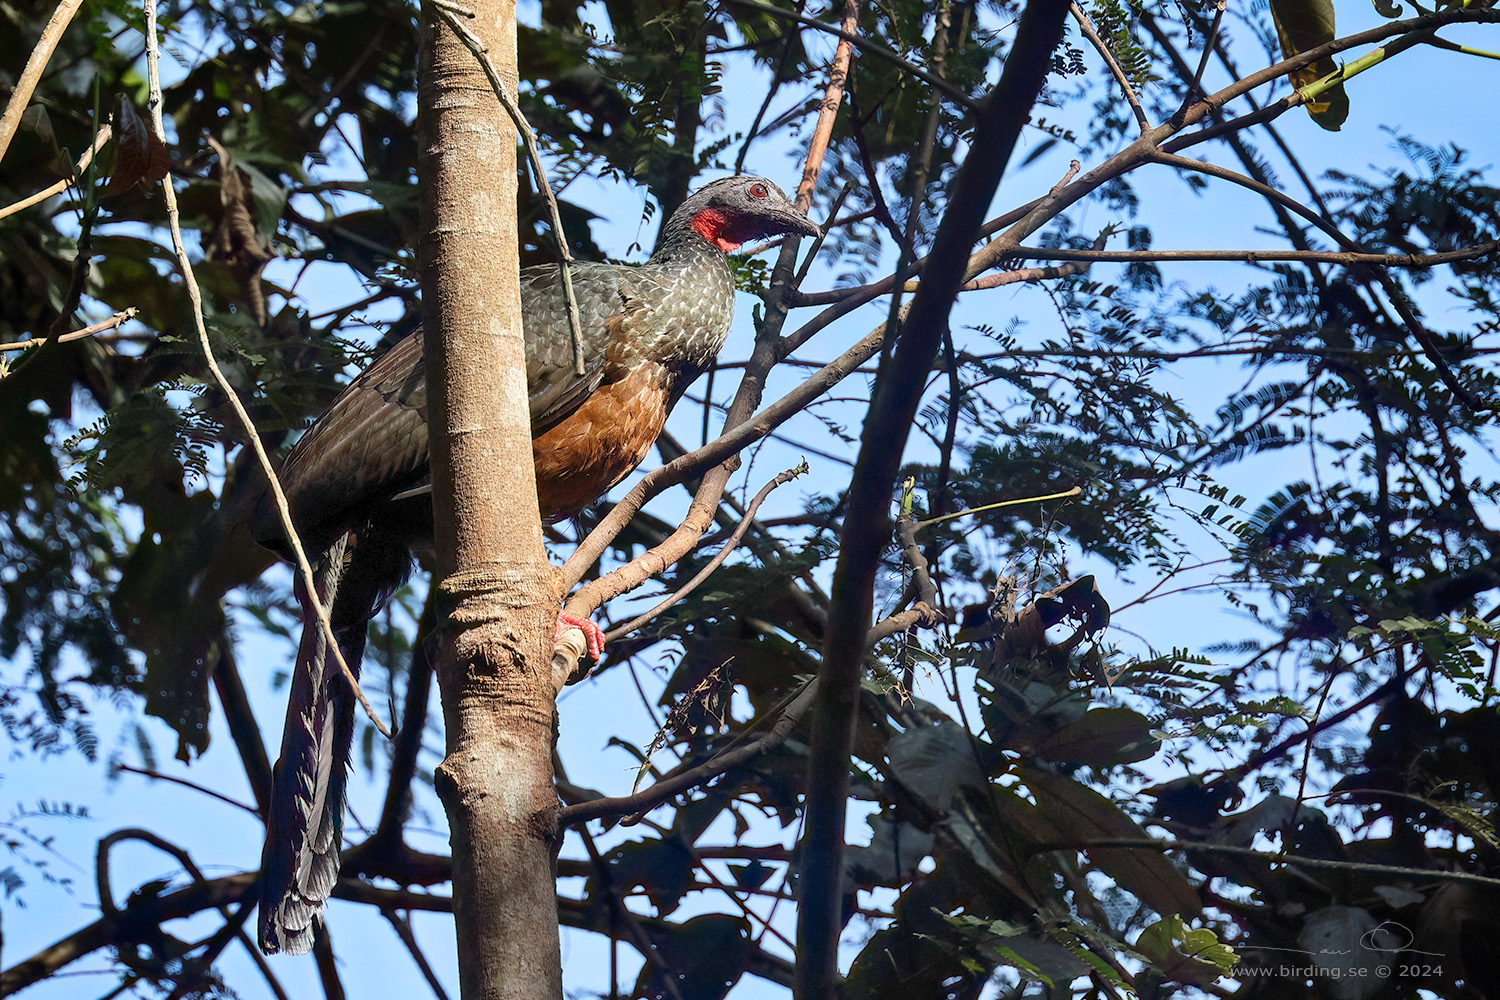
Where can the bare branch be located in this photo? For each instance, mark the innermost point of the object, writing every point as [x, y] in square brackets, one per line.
[114, 322]
[678, 782]
[864, 45]
[1264, 190]
[403, 930]
[1341, 257]
[833, 97]
[60, 186]
[1270, 857]
[1089, 32]
[714, 563]
[31, 75]
[159, 776]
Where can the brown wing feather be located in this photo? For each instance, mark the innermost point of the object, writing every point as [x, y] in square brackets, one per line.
[372, 442]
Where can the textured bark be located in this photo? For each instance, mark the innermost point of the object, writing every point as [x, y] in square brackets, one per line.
[498, 597]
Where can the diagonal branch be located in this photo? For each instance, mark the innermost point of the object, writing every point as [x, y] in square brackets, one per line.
[31, 75]
[675, 784]
[60, 186]
[864, 45]
[714, 563]
[1087, 27]
[867, 524]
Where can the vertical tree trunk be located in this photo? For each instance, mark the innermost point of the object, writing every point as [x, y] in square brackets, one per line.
[498, 595]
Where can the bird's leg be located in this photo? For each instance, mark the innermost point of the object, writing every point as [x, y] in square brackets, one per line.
[593, 635]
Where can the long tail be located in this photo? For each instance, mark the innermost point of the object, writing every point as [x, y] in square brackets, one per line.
[304, 832]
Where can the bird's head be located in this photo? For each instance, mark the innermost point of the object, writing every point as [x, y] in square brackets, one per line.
[739, 209]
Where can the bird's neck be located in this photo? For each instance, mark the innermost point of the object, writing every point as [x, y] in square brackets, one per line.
[692, 242]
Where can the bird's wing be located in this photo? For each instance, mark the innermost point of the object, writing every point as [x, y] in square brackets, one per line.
[609, 303]
[372, 442]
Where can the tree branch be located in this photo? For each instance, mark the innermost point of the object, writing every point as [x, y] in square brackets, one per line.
[864, 45]
[1087, 27]
[1344, 258]
[867, 523]
[31, 74]
[675, 784]
[718, 560]
[60, 186]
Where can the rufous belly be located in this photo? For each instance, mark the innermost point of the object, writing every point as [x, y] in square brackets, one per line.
[578, 460]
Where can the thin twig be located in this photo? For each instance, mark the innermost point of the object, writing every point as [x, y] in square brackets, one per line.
[906, 244]
[1342, 257]
[118, 319]
[62, 185]
[328, 967]
[621, 915]
[195, 297]
[31, 75]
[1209, 44]
[107, 902]
[192, 976]
[1393, 292]
[1270, 857]
[157, 775]
[675, 784]
[1075, 491]
[1089, 32]
[771, 92]
[450, 13]
[833, 97]
[864, 45]
[703, 574]
[408, 747]
[1264, 190]
[403, 930]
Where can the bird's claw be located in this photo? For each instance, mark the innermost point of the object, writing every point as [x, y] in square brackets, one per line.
[593, 635]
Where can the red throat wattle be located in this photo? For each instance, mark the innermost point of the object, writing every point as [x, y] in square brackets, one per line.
[714, 226]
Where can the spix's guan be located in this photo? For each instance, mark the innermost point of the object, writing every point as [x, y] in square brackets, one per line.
[354, 482]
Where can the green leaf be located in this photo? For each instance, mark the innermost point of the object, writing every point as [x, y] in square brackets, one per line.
[1099, 738]
[1303, 25]
[1186, 955]
[1084, 815]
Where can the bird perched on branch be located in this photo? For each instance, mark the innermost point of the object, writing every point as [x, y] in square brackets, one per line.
[355, 479]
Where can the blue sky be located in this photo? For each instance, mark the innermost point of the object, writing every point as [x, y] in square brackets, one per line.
[1435, 95]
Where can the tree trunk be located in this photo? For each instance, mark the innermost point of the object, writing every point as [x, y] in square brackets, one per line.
[498, 595]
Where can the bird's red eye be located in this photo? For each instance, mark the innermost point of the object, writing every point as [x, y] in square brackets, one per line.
[758, 191]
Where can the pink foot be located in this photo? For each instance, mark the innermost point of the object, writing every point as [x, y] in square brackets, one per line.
[593, 635]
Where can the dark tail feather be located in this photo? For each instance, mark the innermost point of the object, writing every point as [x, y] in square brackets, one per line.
[304, 832]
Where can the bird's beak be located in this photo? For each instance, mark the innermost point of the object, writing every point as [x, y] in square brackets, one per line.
[796, 222]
